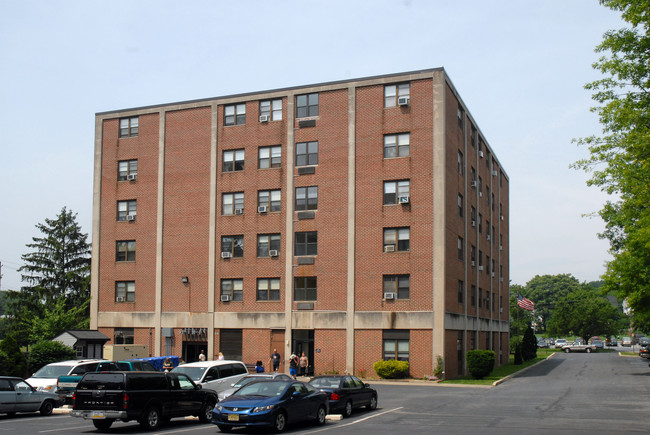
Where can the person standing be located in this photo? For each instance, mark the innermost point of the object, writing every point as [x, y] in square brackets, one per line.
[275, 360]
[304, 364]
[202, 355]
[168, 365]
[220, 358]
[293, 365]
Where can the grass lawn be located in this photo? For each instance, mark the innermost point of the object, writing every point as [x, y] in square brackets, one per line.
[502, 371]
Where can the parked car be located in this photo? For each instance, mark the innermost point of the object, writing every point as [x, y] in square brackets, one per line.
[644, 352]
[148, 397]
[45, 379]
[626, 341]
[560, 342]
[541, 343]
[598, 343]
[16, 395]
[345, 393]
[252, 378]
[611, 341]
[273, 404]
[216, 375]
[578, 347]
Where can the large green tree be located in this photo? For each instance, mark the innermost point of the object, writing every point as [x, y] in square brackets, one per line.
[545, 290]
[619, 160]
[57, 277]
[584, 313]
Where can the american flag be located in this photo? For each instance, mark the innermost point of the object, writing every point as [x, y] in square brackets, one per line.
[524, 303]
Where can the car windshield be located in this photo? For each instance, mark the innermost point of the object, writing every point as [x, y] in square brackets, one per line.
[325, 382]
[52, 371]
[265, 389]
[195, 373]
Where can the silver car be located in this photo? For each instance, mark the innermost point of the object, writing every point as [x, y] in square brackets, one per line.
[215, 375]
[16, 395]
[250, 378]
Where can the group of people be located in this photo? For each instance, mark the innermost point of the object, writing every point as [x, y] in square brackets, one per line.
[297, 365]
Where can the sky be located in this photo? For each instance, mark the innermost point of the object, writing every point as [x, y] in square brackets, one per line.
[520, 66]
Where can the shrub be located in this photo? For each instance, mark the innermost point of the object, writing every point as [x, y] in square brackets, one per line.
[529, 345]
[15, 362]
[45, 352]
[440, 367]
[480, 363]
[518, 359]
[391, 369]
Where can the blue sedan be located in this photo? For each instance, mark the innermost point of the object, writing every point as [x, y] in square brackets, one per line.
[271, 403]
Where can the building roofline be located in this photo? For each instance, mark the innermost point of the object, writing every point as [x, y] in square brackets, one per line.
[291, 88]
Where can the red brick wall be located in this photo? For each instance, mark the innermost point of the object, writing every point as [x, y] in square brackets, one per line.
[332, 345]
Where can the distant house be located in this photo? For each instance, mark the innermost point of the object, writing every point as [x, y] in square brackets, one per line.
[87, 343]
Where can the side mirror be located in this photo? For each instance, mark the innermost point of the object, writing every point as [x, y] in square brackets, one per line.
[199, 386]
[295, 394]
[366, 385]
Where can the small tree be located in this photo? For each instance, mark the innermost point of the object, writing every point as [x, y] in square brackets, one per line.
[480, 363]
[518, 358]
[391, 369]
[529, 345]
[46, 352]
[15, 360]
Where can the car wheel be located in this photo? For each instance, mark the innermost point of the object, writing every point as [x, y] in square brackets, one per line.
[347, 409]
[567, 350]
[47, 407]
[223, 428]
[588, 350]
[205, 416]
[373, 403]
[321, 416]
[280, 422]
[151, 419]
[103, 424]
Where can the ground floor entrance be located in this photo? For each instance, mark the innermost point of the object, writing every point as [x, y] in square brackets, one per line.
[303, 341]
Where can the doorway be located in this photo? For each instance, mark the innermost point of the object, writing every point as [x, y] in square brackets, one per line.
[192, 349]
[302, 340]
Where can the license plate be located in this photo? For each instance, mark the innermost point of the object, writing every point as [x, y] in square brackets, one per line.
[233, 417]
[97, 415]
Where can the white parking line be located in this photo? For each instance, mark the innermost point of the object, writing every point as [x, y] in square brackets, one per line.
[338, 426]
[62, 429]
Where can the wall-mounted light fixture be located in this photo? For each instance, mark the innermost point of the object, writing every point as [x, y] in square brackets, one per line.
[185, 280]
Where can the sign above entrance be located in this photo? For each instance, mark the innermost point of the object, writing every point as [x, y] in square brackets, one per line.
[194, 334]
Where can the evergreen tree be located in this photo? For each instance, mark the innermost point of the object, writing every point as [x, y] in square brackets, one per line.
[15, 363]
[57, 274]
[529, 345]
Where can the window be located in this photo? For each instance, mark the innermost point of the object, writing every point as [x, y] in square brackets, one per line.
[480, 297]
[461, 249]
[393, 92]
[123, 336]
[266, 243]
[398, 239]
[268, 289]
[307, 153]
[487, 264]
[307, 198]
[233, 160]
[233, 244]
[472, 215]
[461, 116]
[307, 105]
[234, 114]
[304, 288]
[129, 127]
[125, 250]
[127, 170]
[472, 172]
[232, 203]
[461, 291]
[125, 291]
[396, 344]
[398, 284]
[472, 255]
[272, 109]
[473, 295]
[306, 243]
[480, 259]
[126, 210]
[269, 157]
[271, 199]
[397, 145]
[480, 223]
[473, 136]
[233, 288]
[393, 190]
[460, 205]
[461, 163]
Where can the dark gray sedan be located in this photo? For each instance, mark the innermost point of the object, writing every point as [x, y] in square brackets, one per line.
[16, 395]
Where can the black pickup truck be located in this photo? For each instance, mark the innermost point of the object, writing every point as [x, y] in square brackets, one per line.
[150, 398]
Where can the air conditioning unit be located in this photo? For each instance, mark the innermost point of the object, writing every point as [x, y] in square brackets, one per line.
[404, 199]
[473, 263]
[119, 299]
[261, 209]
[225, 298]
[501, 217]
[239, 211]
[494, 173]
[474, 184]
[226, 255]
[501, 310]
[130, 217]
[488, 237]
[500, 247]
[473, 223]
[492, 274]
[403, 101]
[480, 194]
[273, 253]
[480, 154]
[132, 177]
[265, 118]
[389, 296]
[480, 268]
[389, 248]
[501, 279]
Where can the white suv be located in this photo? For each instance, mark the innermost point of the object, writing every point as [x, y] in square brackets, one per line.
[46, 377]
[216, 375]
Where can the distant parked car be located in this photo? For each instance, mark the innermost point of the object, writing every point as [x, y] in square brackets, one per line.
[560, 342]
[645, 351]
[611, 341]
[16, 395]
[541, 343]
[598, 343]
[578, 347]
[626, 341]
[345, 393]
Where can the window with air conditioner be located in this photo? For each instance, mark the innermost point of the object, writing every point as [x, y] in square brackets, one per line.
[233, 245]
[396, 93]
[271, 110]
[125, 290]
[125, 209]
[268, 244]
[396, 192]
[398, 284]
[397, 239]
[271, 199]
[231, 202]
[127, 170]
[233, 288]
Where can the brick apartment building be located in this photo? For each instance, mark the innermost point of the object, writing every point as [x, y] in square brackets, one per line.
[356, 221]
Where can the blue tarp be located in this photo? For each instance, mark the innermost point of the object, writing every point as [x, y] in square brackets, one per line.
[158, 361]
